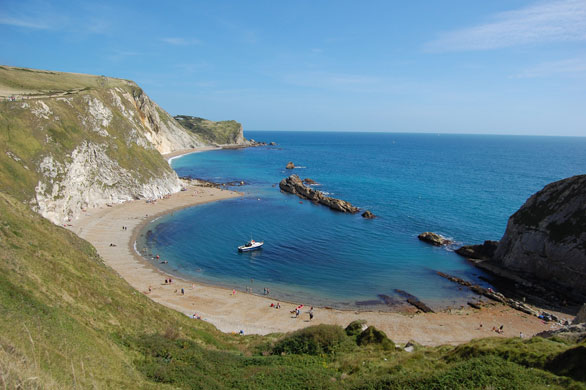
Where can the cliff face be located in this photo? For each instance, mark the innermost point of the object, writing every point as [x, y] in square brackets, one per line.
[69, 142]
[219, 133]
[546, 237]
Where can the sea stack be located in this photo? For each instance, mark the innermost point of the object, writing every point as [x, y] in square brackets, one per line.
[290, 165]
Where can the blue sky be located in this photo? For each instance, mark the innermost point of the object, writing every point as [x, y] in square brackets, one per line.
[491, 67]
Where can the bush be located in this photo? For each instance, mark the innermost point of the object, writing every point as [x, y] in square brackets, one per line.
[313, 340]
[355, 327]
[373, 336]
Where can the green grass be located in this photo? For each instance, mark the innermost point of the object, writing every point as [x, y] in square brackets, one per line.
[34, 82]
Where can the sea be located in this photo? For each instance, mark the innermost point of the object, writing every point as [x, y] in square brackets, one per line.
[463, 187]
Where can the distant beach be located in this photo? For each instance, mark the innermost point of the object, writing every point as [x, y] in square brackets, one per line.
[113, 231]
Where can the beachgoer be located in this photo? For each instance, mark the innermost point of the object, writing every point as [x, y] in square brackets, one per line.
[296, 313]
[150, 289]
[278, 305]
[182, 291]
[166, 281]
[170, 281]
[521, 335]
[311, 314]
[233, 291]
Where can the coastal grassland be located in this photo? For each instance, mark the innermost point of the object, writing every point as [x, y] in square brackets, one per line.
[68, 321]
[222, 132]
[33, 82]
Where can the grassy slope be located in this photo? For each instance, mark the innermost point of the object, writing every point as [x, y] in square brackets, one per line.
[67, 320]
[223, 132]
[35, 82]
[30, 138]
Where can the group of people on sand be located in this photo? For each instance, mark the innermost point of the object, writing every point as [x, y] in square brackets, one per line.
[277, 306]
[297, 312]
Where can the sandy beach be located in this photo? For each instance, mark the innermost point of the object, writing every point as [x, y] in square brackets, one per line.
[252, 313]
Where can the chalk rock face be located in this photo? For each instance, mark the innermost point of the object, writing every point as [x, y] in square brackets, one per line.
[434, 239]
[546, 237]
[294, 185]
[98, 141]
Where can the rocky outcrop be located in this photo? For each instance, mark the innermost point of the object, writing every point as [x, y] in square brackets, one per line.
[483, 251]
[546, 237]
[309, 181]
[294, 185]
[368, 215]
[290, 165]
[434, 239]
[97, 141]
[581, 316]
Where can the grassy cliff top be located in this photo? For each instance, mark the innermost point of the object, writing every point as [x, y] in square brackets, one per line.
[222, 132]
[34, 82]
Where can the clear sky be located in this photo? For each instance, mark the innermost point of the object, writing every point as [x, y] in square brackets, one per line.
[500, 67]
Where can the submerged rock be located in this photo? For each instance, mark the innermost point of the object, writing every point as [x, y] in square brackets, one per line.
[309, 181]
[434, 239]
[290, 165]
[368, 215]
[294, 185]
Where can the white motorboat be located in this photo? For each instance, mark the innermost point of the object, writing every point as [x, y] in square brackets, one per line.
[250, 246]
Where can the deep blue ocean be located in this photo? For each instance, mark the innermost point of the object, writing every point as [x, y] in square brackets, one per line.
[462, 186]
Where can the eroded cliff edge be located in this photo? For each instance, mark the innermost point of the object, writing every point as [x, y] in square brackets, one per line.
[546, 237]
[72, 141]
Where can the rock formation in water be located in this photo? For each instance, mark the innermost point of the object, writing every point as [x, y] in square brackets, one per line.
[546, 237]
[434, 239]
[73, 141]
[368, 215]
[294, 185]
[483, 251]
[290, 165]
[309, 181]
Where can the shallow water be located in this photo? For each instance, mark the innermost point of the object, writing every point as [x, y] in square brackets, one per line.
[462, 186]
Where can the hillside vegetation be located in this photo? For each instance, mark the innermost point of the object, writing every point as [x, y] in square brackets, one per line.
[220, 133]
[68, 321]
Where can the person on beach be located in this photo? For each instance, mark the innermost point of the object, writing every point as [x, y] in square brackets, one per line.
[311, 314]
[182, 291]
[166, 281]
[278, 305]
[233, 291]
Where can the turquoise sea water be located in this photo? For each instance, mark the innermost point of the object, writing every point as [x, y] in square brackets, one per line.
[462, 186]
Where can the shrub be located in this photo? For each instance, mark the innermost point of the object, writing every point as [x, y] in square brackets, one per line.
[373, 336]
[355, 327]
[313, 340]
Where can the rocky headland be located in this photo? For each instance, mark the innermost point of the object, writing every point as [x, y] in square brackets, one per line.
[545, 241]
[294, 185]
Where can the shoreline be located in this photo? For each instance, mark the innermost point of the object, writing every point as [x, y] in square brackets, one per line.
[251, 313]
